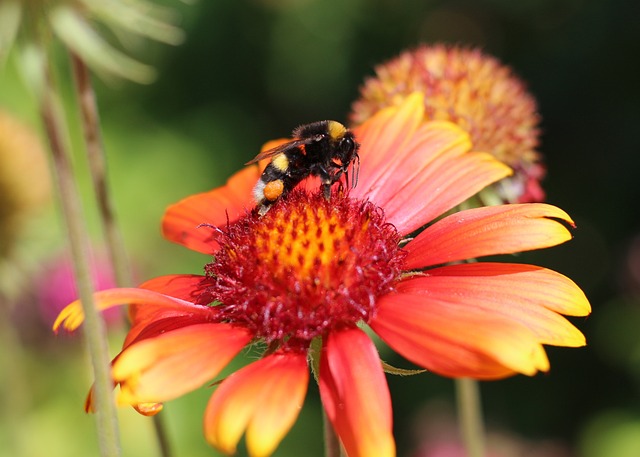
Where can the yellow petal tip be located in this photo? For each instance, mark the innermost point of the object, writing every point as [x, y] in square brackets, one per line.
[70, 318]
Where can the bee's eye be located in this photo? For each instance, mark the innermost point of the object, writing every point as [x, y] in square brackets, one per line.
[347, 145]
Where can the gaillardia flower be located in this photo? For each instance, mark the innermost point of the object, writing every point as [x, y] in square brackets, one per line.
[305, 277]
[476, 92]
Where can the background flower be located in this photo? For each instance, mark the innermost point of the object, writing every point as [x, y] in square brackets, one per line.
[476, 92]
[24, 179]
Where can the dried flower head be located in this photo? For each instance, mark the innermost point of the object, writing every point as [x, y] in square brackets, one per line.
[79, 24]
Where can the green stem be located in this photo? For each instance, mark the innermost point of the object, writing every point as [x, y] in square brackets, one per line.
[94, 328]
[331, 441]
[470, 416]
[98, 167]
[14, 398]
[332, 446]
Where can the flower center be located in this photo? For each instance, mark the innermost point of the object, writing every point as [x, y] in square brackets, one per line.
[308, 266]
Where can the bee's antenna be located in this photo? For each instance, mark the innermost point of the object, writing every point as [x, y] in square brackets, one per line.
[346, 176]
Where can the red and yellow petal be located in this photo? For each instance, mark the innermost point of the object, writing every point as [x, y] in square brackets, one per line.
[146, 409]
[446, 183]
[530, 295]
[504, 229]
[190, 288]
[183, 221]
[417, 171]
[175, 362]
[383, 138]
[539, 285]
[263, 399]
[457, 341]
[160, 321]
[72, 316]
[355, 395]
[184, 287]
[430, 141]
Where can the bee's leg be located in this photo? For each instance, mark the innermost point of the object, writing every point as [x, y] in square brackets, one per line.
[326, 189]
[264, 207]
[327, 180]
[345, 172]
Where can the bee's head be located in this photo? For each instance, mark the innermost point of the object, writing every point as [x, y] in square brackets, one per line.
[346, 148]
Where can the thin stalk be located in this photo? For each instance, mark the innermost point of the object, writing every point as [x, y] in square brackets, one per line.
[98, 167]
[331, 441]
[14, 399]
[90, 117]
[470, 416]
[94, 328]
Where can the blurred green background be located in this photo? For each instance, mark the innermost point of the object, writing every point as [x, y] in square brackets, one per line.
[250, 71]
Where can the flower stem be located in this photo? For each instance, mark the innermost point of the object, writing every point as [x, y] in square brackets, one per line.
[97, 165]
[96, 155]
[94, 328]
[14, 399]
[331, 441]
[470, 416]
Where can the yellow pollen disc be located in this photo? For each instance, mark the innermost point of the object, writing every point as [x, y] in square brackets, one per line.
[309, 243]
[336, 130]
[304, 268]
[272, 190]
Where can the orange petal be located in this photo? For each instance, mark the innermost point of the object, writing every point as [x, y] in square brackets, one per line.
[184, 287]
[71, 317]
[384, 135]
[396, 167]
[263, 398]
[146, 409]
[183, 222]
[457, 341]
[158, 321]
[173, 363]
[355, 395]
[527, 294]
[149, 409]
[421, 171]
[191, 288]
[445, 183]
[504, 229]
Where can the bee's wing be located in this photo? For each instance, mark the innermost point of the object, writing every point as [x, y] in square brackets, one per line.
[278, 150]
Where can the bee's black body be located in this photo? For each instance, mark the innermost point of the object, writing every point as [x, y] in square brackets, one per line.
[324, 149]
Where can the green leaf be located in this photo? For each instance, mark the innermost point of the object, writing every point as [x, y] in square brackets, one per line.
[141, 18]
[399, 371]
[10, 15]
[83, 40]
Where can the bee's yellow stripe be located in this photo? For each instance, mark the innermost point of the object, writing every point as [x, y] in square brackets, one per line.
[336, 130]
[280, 162]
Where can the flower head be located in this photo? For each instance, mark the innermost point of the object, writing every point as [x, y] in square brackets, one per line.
[24, 179]
[476, 92]
[310, 272]
[305, 244]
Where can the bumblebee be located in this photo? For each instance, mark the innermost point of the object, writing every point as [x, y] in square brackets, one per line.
[325, 149]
